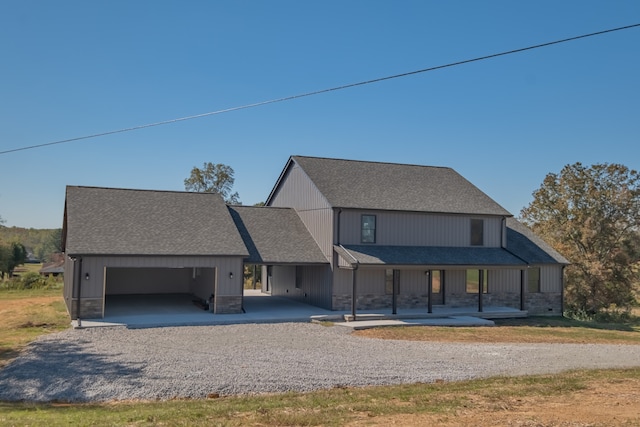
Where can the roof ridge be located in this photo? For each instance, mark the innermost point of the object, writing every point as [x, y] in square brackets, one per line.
[373, 162]
[148, 190]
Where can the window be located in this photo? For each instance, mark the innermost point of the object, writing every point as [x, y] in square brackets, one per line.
[473, 281]
[389, 276]
[477, 232]
[368, 234]
[534, 280]
[436, 281]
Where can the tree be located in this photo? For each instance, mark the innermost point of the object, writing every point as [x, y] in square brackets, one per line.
[212, 178]
[592, 216]
[11, 256]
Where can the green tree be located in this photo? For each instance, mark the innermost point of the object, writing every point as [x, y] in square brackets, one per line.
[11, 256]
[213, 178]
[592, 216]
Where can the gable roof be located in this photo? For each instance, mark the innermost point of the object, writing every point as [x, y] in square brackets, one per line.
[276, 236]
[391, 186]
[103, 221]
[525, 244]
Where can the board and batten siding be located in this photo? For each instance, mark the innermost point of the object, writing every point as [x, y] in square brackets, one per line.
[419, 229]
[307, 283]
[297, 191]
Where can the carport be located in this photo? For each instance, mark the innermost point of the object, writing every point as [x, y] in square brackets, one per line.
[293, 265]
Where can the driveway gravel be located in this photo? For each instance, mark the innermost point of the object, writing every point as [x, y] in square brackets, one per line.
[102, 364]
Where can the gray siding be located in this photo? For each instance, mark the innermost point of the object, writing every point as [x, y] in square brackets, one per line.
[297, 191]
[551, 278]
[98, 268]
[314, 286]
[419, 229]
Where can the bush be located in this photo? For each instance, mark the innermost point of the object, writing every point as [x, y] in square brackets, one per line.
[611, 314]
[31, 280]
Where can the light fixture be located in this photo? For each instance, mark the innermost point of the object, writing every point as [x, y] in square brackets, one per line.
[231, 275]
[86, 276]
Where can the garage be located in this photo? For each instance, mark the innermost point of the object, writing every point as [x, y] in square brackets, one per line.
[190, 287]
[124, 244]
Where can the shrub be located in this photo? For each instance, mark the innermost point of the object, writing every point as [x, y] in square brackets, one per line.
[31, 280]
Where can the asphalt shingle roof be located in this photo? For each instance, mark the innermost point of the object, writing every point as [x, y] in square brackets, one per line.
[276, 236]
[391, 186]
[104, 221]
[523, 248]
[429, 255]
[528, 246]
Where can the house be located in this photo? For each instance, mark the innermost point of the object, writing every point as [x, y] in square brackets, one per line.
[398, 233]
[338, 234]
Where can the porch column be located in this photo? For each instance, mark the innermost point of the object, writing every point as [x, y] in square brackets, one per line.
[522, 281]
[354, 295]
[480, 289]
[429, 291]
[394, 296]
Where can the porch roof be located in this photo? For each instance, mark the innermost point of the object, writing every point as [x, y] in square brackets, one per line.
[427, 255]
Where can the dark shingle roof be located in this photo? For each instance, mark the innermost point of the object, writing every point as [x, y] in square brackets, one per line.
[276, 236]
[391, 186]
[523, 248]
[528, 246]
[108, 221]
[429, 255]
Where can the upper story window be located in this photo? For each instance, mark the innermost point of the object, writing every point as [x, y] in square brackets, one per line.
[368, 229]
[477, 232]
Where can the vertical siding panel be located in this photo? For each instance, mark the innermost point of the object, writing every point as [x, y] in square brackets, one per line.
[504, 281]
[370, 281]
[455, 281]
[419, 229]
[550, 278]
[298, 191]
[413, 282]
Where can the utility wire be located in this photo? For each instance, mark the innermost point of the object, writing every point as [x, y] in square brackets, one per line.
[318, 92]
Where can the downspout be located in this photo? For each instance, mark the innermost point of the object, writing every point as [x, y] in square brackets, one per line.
[562, 290]
[79, 325]
[338, 227]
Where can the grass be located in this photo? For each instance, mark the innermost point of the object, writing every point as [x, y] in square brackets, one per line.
[527, 330]
[577, 396]
[25, 315]
[336, 407]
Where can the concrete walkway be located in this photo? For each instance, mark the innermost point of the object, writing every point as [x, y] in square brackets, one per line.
[149, 311]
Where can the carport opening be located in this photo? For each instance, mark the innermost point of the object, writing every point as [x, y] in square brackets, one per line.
[148, 290]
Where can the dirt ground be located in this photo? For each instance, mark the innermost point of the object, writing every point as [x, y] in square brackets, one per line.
[613, 404]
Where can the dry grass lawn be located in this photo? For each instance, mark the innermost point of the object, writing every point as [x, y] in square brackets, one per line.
[26, 315]
[582, 398]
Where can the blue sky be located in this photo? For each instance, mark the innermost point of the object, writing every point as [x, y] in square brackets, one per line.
[70, 69]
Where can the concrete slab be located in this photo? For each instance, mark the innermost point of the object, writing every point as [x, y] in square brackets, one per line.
[438, 321]
[147, 311]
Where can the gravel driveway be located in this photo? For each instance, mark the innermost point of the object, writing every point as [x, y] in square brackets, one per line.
[103, 364]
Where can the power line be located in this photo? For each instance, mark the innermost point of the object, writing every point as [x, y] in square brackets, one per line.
[318, 92]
